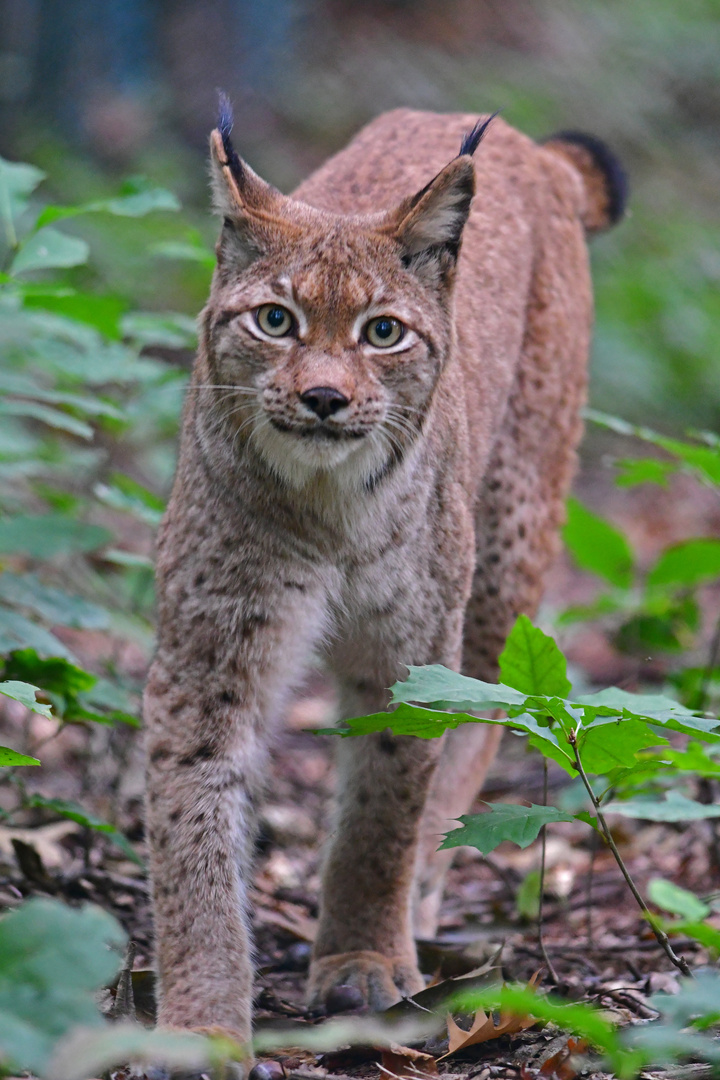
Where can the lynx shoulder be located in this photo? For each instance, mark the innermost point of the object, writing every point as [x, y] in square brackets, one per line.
[377, 442]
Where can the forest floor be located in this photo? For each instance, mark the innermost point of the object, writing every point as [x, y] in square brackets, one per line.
[600, 946]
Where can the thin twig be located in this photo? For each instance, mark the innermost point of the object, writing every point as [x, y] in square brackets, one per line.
[541, 942]
[679, 961]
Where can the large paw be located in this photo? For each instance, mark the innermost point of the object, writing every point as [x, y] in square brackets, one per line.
[381, 981]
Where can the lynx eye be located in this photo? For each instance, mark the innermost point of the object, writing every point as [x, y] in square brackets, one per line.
[274, 320]
[384, 331]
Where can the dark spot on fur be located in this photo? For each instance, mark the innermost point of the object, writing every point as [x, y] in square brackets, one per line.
[199, 580]
[295, 585]
[160, 753]
[228, 697]
[521, 531]
[387, 743]
[174, 816]
[201, 753]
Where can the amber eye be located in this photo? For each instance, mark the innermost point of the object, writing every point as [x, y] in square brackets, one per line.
[274, 320]
[384, 331]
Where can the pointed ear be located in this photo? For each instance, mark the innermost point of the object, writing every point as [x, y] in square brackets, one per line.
[248, 205]
[429, 225]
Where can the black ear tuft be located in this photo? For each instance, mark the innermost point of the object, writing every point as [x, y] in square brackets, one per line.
[225, 126]
[615, 178]
[472, 139]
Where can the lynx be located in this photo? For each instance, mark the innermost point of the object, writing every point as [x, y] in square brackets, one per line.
[377, 443]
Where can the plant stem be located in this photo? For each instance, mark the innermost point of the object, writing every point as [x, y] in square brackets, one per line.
[679, 961]
[541, 942]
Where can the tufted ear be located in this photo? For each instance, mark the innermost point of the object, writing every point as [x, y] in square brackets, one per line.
[430, 224]
[252, 209]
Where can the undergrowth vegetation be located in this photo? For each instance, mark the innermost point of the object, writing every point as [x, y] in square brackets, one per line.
[90, 397]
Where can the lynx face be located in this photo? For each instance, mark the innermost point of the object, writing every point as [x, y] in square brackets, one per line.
[327, 334]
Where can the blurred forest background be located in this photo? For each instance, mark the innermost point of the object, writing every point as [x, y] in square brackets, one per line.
[94, 90]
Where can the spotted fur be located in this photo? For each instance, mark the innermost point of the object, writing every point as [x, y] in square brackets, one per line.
[409, 527]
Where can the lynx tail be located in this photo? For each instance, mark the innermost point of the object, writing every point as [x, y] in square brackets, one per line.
[606, 183]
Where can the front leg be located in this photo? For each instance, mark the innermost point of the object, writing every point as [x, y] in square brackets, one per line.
[365, 937]
[223, 671]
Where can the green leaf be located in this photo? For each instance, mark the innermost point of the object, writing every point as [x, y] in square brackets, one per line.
[17, 632]
[44, 536]
[527, 901]
[127, 495]
[610, 743]
[634, 471]
[434, 683]
[169, 330]
[54, 418]
[134, 204]
[72, 812]
[48, 250]
[56, 675]
[53, 960]
[17, 183]
[673, 807]
[670, 897]
[504, 821]
[404, 720]
[10, 757]
[687, 564]
[531, 661]
[55, 605]
[102, 312]
[597, 546]
[186, 251]
[25, 693]
[703, 460]
[95, 1052]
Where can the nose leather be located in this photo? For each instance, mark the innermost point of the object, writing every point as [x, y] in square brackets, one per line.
[324, 401]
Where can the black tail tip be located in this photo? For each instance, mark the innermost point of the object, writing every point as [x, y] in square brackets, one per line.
[617, 188]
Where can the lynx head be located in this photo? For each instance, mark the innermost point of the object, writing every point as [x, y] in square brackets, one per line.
[326, 334]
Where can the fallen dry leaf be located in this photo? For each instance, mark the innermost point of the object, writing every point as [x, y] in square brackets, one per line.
[404, 1061]
[484, 1028]
[287, 916]
[561, 1065]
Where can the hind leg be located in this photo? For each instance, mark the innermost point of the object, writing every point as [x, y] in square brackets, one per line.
[520, 511]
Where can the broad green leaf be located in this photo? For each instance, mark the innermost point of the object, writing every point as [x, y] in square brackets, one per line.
[434, 683]
[531, 661]
[634, 471]
[17, 182]
[609, 743]
[48, 250]
[10, 757]
[696, 759]
[704, 460]
[597, 546]
[527, 901]
[687, 564]
[126, 494]
[72, 812]
[20, 385]
[94, 1052]
[703, 932]
[53, 961]
[670, 897]
[171, 330]
[404, 720]
[56, 675]
[649, 706]
[102, 312]
[602, 605]
[44, 536]
[18, 632]
[673, 807]
[185, 250]
[504, 821]
[134, 204]
[51, 603]
[54, 418]
[25, 693]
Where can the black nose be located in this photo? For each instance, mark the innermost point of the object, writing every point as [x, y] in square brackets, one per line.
[324, 401]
